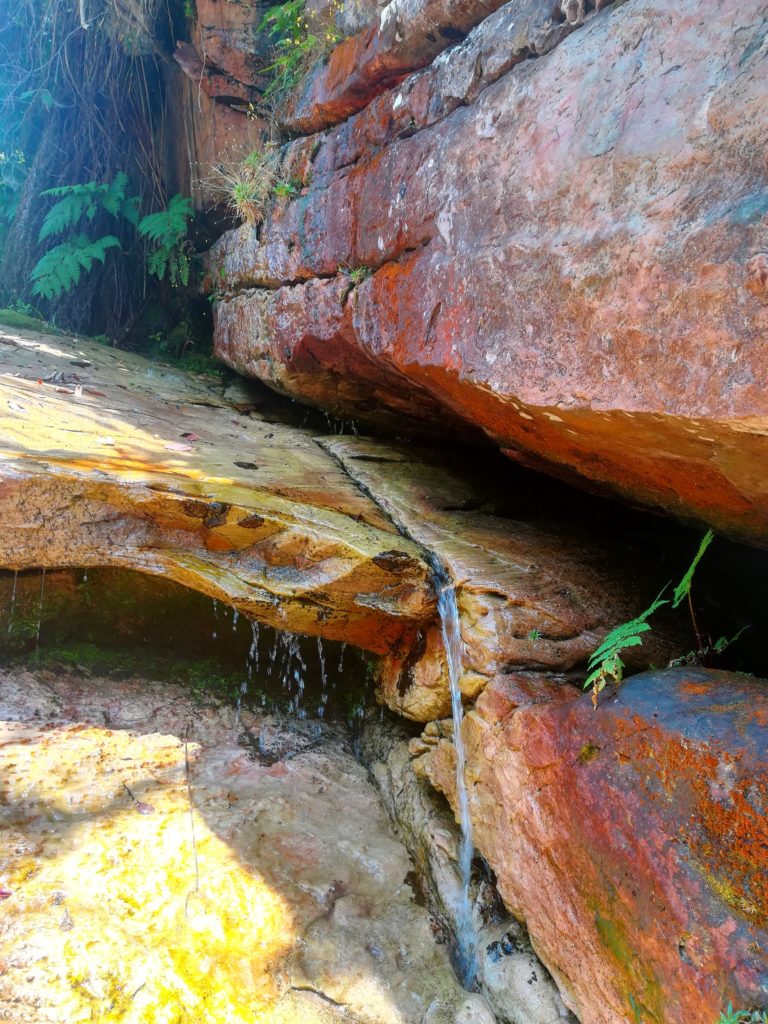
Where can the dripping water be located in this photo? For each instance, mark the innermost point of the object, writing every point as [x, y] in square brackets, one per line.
[449, 622]
[40, 610]
[253, 652]
[323, 679]
[341, 658]
[13, 598]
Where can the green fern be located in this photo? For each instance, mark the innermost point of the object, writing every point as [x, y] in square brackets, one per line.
[683, 588]
[62, 267]
[731, 1016]
[167, 231]
[606, 663]
[85, 201]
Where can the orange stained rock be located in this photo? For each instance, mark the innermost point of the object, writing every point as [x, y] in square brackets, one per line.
[108, 459]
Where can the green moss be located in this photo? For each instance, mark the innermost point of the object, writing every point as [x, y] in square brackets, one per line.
[23, 321]
[644, 994]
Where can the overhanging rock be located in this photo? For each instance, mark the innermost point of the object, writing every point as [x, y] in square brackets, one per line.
[109, 460]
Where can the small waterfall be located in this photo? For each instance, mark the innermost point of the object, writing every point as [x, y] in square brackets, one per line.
[449, 621]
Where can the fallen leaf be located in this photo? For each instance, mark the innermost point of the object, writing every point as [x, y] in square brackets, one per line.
[190, 437]
[5, 894]
[177, 446]
[143, 808]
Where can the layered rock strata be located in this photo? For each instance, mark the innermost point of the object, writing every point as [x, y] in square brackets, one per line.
[108, 460]
[540, 575]
[565, 251]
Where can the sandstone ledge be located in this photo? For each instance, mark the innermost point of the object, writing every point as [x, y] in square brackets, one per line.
[108, 460]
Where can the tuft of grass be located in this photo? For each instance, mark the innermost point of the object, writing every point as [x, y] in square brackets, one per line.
[731, 1016]
[245, 186]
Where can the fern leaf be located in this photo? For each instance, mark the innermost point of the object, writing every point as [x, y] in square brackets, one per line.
[683, 589]
[61, 268]
[67, 213]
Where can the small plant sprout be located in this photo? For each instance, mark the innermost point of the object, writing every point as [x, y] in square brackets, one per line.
[731, 1016]
[534, 635]
[357, 275]
[606, 664]
[302, 38]
[285, 189]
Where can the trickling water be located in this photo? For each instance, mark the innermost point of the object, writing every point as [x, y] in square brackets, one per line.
[235, 617]
[253, 652]
[341, 657]
[13, 599]
[323, 678]
[40, 610]
[449, 623]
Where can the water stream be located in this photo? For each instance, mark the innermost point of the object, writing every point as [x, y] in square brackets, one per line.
[466, 939]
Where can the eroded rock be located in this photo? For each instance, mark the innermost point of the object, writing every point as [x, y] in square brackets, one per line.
[569, 260]
[632, 839]
[512, 979]
[539, 582]
[108, 460]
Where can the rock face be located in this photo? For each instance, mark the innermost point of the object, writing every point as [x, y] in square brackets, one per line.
[511, 978]
[632, 840]
[541, 575]
[152, 870]
[106, 460]
[565, 251]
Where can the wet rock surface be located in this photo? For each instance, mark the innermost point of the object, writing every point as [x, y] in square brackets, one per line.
[570, 259]
[632, 839]
[541, 575]
[511, 977]
[152, 870]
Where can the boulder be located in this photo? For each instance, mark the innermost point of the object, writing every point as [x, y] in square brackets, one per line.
[568, 252]
[632, 839]
[153, 870]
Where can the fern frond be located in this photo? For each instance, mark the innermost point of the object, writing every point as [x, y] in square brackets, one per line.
[61, 268]
[683, 588]
[77, 202]
[167, 230]
[85, 200]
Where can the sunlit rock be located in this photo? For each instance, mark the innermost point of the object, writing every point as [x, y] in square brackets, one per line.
[109, 460]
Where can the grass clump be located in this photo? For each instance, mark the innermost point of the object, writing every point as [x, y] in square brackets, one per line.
[245, 186]
[302, 38]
